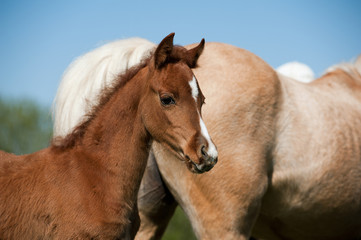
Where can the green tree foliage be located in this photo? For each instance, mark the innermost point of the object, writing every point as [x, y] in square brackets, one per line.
[25, 127]
[179, 227]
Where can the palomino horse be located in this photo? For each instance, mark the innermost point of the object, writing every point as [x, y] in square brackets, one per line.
[290, 152]
[85, 186]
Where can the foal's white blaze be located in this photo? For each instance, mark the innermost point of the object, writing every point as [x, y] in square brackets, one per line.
[212, 150]
[194, 87]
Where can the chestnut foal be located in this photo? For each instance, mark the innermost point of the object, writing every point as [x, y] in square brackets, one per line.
[85, 185]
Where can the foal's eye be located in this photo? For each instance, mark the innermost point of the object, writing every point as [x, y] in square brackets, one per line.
[167, 100]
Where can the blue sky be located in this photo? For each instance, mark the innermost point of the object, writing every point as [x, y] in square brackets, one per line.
[39, 39]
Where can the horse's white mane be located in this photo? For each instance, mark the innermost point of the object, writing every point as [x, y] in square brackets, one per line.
[89, 74]
[298, 71]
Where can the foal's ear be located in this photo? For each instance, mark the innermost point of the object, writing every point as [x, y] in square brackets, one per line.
[163, 50]
[194, 53]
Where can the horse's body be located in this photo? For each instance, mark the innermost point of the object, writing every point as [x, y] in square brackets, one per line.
[290, 155]
[85, 185]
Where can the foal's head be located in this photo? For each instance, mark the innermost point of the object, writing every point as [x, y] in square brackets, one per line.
[171, 107]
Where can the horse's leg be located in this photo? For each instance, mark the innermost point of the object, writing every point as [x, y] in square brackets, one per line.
[135, 223]
[156, 204]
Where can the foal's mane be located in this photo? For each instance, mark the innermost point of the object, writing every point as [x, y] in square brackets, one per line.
[70, 140]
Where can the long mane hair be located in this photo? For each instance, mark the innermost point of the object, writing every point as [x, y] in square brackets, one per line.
[89, 75]
[104, 95]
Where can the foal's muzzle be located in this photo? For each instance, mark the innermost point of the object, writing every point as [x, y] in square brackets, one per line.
[205, 162]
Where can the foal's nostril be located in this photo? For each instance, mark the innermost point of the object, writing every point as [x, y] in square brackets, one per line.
[203, 151]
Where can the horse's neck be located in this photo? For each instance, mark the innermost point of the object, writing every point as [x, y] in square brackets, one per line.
[119, 142]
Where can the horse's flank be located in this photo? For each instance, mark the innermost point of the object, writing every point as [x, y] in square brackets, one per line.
[316, 157]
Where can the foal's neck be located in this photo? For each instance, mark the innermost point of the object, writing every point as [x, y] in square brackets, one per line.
[118, 140]
[117, 126]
